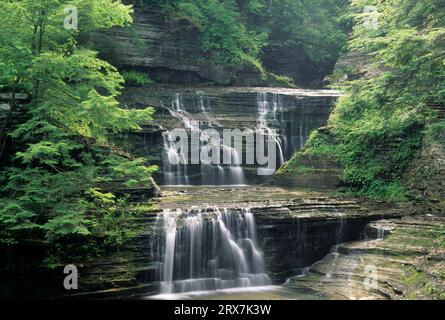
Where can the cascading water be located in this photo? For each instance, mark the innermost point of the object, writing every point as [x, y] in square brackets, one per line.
[210, 250]
[286, 119]
[380, 234]
[264, 110]
[341, 228]
[173, 174]
[211, 174]
[205, 107]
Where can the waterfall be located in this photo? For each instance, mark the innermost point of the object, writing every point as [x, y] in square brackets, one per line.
[301, 234]
[173, 174]
[264, 109]
[380, 234]
[211, 174]
[210, 250]
[341, 229]
[205, 107]
[169, 220]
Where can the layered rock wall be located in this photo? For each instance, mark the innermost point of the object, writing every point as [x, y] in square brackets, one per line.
[170, 52]
[297, 113]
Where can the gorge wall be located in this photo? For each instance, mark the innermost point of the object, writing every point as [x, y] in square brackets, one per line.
[293, 113]
[170, 52]
[291, 234]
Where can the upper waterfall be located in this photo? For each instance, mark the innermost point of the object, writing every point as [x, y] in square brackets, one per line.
[284, 116]
[268, 108]
[176, 174]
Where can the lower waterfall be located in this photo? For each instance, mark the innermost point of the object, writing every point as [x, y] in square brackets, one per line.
[204, 250]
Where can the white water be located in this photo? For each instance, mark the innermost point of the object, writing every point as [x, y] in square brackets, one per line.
[264, 110]
[170, 218]
[211, 174]
[340, 233]
[173, 174]
[380, 234]
[222, 292]
[210, 250]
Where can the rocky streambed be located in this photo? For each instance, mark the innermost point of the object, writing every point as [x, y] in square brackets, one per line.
[315, 246]
[294, 230]
[401, 259]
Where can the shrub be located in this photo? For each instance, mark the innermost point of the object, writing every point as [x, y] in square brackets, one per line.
[136, 79]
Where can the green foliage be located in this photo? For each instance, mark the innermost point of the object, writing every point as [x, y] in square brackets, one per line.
[422, 282]
[225, 38]
[380, 190]
[379, 124]
[234, 32]
[320, 145]
[55, 183]
[436, 132]
[136, 79]
[318, 27]
[274, 80]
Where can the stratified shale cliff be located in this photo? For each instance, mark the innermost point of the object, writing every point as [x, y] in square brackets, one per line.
[170, 52]
[294, 113]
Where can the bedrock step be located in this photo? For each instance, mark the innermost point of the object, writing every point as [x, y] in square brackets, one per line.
[401, 259]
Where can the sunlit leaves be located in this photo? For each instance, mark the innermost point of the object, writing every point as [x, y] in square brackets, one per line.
[379, 124]
[51, 188]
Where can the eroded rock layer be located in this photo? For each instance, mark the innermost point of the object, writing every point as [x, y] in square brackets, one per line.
[293, 113]
[403, 259]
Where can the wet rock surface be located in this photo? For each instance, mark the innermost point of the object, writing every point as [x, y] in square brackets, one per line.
[407, 264]
[293, 113]
[171, 52]
[308, 170]
[294, 229]
[425, 178]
